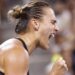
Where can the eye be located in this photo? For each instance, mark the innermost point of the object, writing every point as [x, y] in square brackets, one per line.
[53, 22]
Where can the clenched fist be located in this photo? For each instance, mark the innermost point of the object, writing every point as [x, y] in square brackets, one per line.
[59, 68]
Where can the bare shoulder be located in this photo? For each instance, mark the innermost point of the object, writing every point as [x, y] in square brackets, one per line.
[16, 58]
[13, 52]
[13, 47]
[10, 43]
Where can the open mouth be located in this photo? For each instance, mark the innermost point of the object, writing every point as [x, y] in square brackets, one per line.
[49, 36]
[52, 35]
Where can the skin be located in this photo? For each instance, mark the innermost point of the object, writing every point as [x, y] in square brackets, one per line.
[14, 59]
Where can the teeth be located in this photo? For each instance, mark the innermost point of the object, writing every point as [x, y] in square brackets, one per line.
[53, 35]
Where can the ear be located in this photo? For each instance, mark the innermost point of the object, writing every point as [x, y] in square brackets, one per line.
[36, 24]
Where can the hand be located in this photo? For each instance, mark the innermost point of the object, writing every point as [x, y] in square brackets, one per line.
[59, 67]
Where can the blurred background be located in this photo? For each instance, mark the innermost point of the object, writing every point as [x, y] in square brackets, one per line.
[63, 45]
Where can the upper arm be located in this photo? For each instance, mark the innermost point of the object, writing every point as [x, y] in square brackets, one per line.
[15, 65]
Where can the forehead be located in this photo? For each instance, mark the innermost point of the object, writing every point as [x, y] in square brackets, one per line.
[49, 13]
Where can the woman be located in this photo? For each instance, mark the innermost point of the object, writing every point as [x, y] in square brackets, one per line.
[37, 23]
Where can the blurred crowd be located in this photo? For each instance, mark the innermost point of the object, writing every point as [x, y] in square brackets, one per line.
[64, 42]
[63, 45]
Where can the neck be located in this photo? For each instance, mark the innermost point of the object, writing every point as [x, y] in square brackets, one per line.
[30, 41]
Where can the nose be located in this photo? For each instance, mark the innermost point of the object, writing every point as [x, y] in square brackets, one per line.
[56, 28]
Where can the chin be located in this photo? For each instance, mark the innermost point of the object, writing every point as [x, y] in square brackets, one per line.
[45, 47]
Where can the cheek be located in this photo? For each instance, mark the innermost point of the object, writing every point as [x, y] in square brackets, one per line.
[51, 28]
[45, 29]
[48, 29]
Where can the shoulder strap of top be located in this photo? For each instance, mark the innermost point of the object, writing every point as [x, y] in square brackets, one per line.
[1, 73]
[23, 43]
[24, 47]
